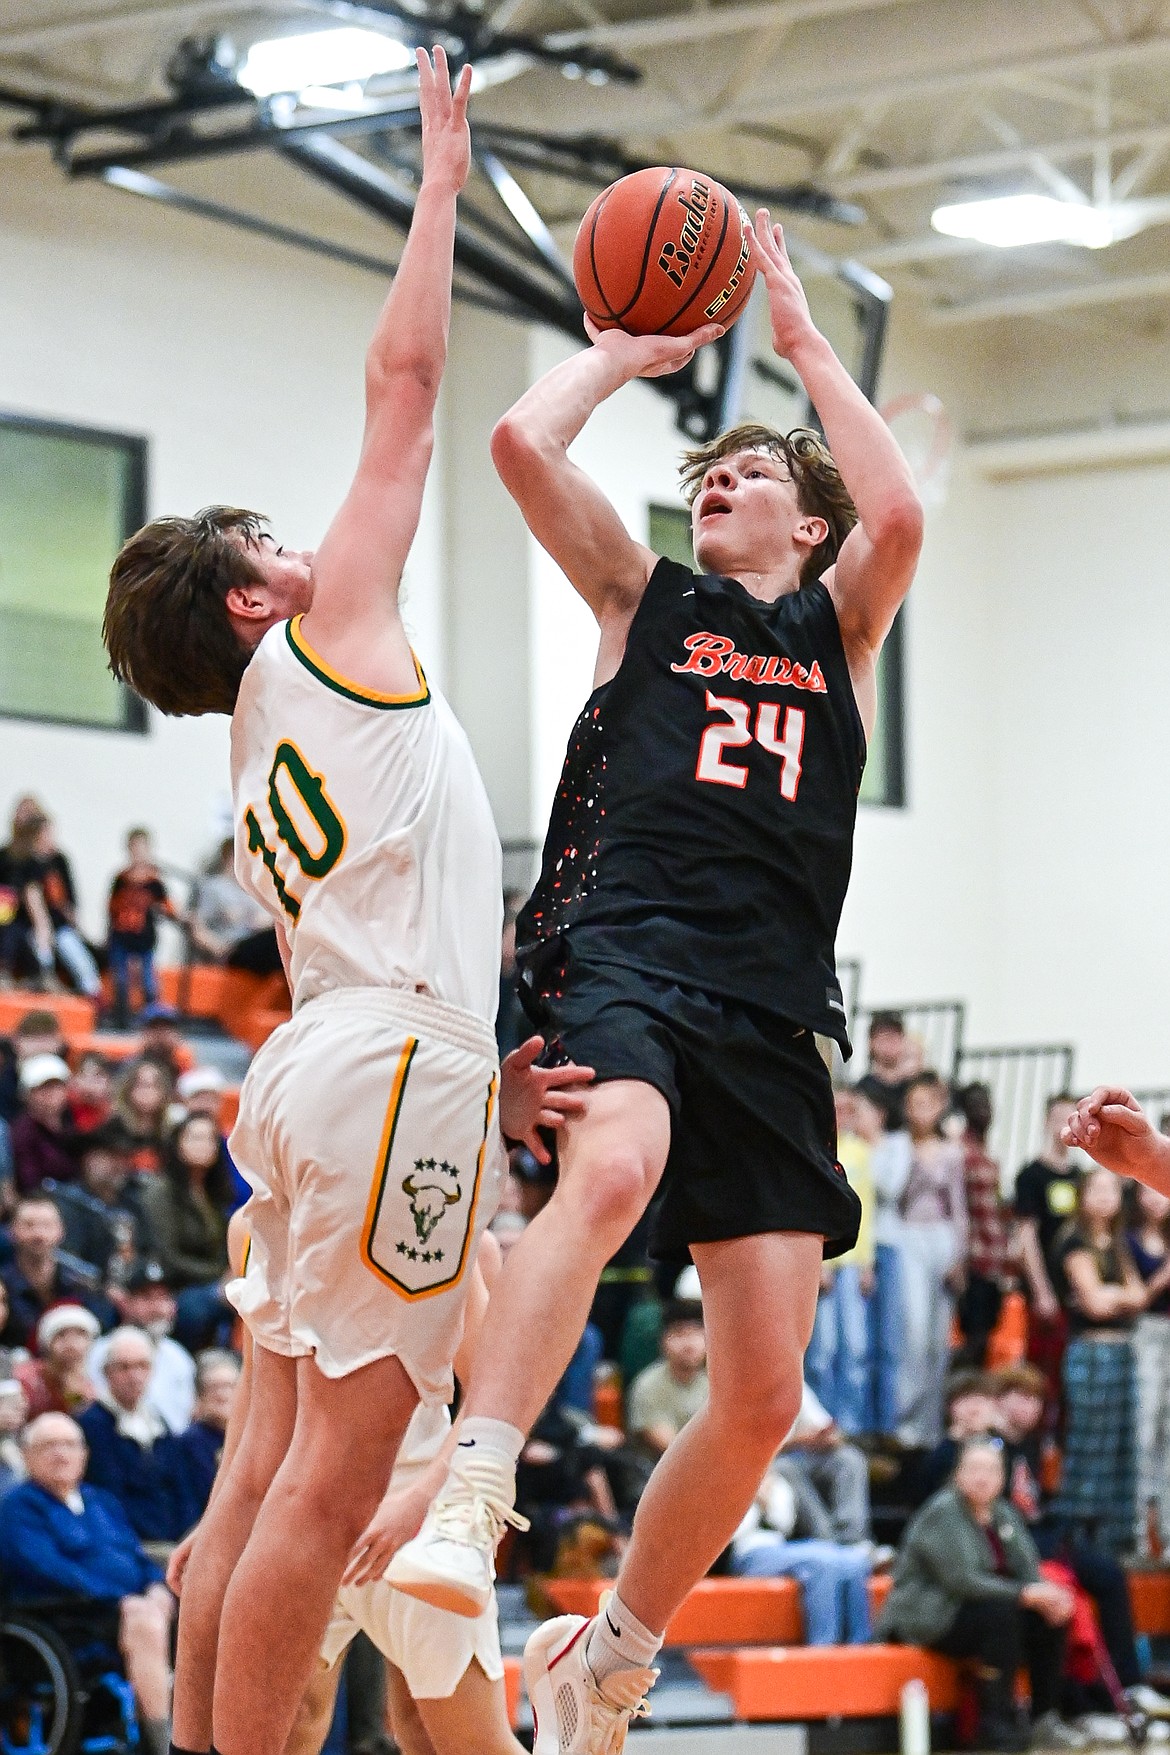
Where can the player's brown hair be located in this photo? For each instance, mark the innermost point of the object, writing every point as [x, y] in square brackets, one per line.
[166, 625]
[819, 489]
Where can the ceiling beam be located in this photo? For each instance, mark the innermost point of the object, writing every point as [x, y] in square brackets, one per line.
[990, 164]
[695, 23]
[1051, 299]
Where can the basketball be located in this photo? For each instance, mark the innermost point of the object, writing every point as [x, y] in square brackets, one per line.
[663, 251]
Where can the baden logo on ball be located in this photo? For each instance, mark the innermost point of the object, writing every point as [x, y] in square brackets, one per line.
[663, 251]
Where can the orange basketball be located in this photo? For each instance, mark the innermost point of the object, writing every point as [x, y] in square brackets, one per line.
[663, 251]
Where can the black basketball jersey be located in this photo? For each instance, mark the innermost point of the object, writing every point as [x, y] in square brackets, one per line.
[703, 828]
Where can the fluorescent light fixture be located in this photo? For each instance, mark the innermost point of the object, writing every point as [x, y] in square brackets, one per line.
[1008, 221]
[321, 58]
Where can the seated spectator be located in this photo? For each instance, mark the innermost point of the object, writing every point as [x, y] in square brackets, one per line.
[967, 1583]
[837, 1364]
[972, 1411]
[981, 1297]
[91, 1093]
[10, 1356]
[560, 1478]
[161, 1041]
[56, 1381]
[13, 1416]
[1020, 1392]
[103, 1214]
[666, 1395]
[1103, 1297]
[26, 937]
[41, 1274]
[138, 900]
[42, 1145]
[52, 876]
[133, 1453]
[829, 1476]
[146, 1301]
[144, 1096]
[833, 1576]
[229, 926]
[59, 1538]
[217, 1376]
[186, 1206]
[201, 1091]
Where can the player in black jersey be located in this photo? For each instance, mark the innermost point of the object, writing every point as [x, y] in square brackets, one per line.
[680, 942]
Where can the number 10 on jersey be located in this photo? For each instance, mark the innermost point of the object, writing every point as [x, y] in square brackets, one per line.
[786, 744]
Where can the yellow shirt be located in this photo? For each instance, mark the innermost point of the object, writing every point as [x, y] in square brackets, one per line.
[853, 1154]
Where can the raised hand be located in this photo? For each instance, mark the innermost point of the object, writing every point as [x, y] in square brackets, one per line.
[446, 138]
[651, 356]
[532, 1097]
[791, 319]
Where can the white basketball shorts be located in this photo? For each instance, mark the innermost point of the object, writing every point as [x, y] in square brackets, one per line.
[368, 1133]
[432, 1647]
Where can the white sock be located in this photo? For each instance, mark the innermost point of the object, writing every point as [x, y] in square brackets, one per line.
[620, 1642]
[486, 1454]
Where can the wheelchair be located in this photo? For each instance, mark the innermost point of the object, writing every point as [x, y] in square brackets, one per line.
[62, 1691]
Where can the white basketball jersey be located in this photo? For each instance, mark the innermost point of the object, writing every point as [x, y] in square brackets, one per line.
[363, 826]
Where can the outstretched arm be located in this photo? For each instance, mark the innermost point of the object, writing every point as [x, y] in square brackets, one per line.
[1112, 1127]
[877, 559]
[358, 567]
[567, 513]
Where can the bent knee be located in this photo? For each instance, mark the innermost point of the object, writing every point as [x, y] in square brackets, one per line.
[610, 1189]
[762, 1409]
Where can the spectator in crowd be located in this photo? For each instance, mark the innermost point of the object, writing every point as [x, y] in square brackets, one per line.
[1021, 1392]
[886, 1081]
[837, 1363]
[217, 1376]
[91, 1093]
[933, 1211]
[833, 1576]
[26, 938]
[105, 1224]
[10, 1354]
[61, 1538]
[201, 1091]
[1103, 1297]
[967, 1583]
[1045, 1195]
[829, 1476]
[56, 936]
[38, 1032]
[1149, 1245]
[561, 1478]
[971, 1411]
[147, 1301]
[981, 1299]
[144, 1096]
[56, 1380]
[890, 1160]
[138, 899]
[13, 1417]
[133, 1453]
[186, 1206]
[162, 1043]
[42, 1145]
[670, 1392]
[228, 925]
[40, 1274]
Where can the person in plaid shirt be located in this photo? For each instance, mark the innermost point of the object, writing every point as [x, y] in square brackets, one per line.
[987, 1240]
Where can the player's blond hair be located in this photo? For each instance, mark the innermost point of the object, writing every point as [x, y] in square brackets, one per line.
[820, 490]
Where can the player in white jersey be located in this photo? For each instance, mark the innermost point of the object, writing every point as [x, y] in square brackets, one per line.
[368, 1124]
[445, 1672]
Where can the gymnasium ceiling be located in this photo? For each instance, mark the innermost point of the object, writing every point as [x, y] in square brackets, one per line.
[890, 106]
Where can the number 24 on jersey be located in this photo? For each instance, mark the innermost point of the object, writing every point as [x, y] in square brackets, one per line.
[787, 743]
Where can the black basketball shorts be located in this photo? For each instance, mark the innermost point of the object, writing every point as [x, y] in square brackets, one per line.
[753, 1144]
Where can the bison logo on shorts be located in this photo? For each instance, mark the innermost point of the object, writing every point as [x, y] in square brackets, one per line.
[430, 1200]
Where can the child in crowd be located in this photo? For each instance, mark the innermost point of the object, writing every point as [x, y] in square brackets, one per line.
[138, 898]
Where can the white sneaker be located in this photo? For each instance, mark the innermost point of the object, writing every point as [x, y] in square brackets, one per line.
[1053, 1732]
[573, 1713]
[451, 1563]
[1104, 1728]
[1148, 1700]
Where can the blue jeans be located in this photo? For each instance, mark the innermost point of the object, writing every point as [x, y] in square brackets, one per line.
[885, 1338]
[834, 1583]
[575, 1390]
[122, 964]
[837, 1364]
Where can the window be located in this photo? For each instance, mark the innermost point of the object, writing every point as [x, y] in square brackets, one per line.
[69, 497]
[884, 781]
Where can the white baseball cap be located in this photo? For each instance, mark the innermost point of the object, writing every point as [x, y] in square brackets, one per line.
[43, 1069]
[63, 1316]
[199, 1079]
